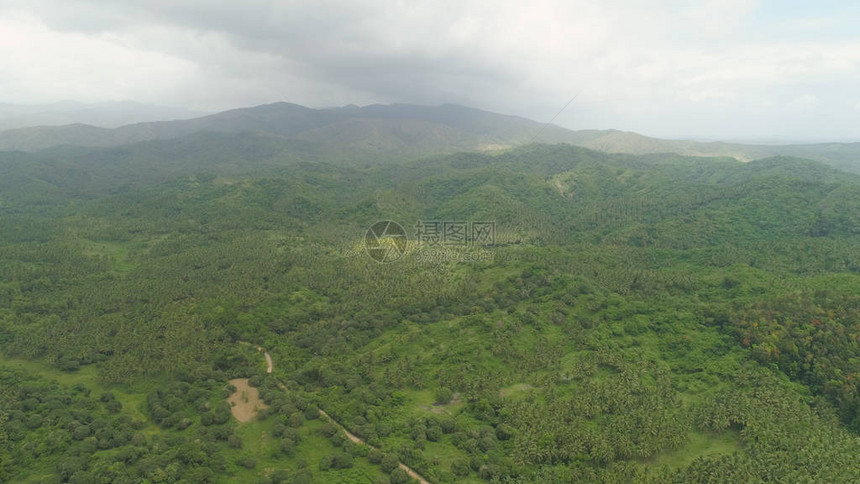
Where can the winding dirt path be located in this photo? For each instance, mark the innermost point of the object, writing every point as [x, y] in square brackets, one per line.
[352, 437]
[269, 365]
[268, 359]
[360, 441]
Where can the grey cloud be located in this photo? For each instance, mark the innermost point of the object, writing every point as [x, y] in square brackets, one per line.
[347, 43]
[641, 65]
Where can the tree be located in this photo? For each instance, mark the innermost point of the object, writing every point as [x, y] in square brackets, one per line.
[234, 441]
[374, 455]
[460, 467]
[399, 476]
[389, 462]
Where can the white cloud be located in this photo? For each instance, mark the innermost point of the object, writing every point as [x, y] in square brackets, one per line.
[659, 67]
[40, 64]
[804, 102]
[718, 17]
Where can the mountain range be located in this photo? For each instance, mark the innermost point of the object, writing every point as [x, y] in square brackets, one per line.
[401, 130]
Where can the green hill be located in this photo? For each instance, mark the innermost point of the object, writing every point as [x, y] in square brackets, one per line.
[388, 133]
[440, 129]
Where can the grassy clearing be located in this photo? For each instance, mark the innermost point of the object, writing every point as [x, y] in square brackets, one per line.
[259, 445]
[132, 399]
[118, 255]
[426, 402]
[514, 389]
[699, 444]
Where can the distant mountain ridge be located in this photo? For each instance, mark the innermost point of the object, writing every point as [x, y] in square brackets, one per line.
[399, 127]
[407, 130]
[104, 115]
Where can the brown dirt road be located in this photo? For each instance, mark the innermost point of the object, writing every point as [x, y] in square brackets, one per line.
[360, 441]
[352, 437]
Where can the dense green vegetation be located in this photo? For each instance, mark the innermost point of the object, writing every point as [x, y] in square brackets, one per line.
[646, 319]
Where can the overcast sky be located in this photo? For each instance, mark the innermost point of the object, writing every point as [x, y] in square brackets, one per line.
[732, 69]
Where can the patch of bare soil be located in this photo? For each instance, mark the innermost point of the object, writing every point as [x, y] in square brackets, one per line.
[245, 402]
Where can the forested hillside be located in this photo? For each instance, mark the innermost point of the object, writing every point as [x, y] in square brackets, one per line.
[399, 128]
[380, 134]
[654, 318]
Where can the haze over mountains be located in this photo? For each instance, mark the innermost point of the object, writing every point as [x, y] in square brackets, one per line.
[391, 130]
[105, 114]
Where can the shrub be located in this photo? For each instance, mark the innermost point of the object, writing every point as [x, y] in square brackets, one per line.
[341, 460]
[325, 462]
[442, 395]
[234, 441]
